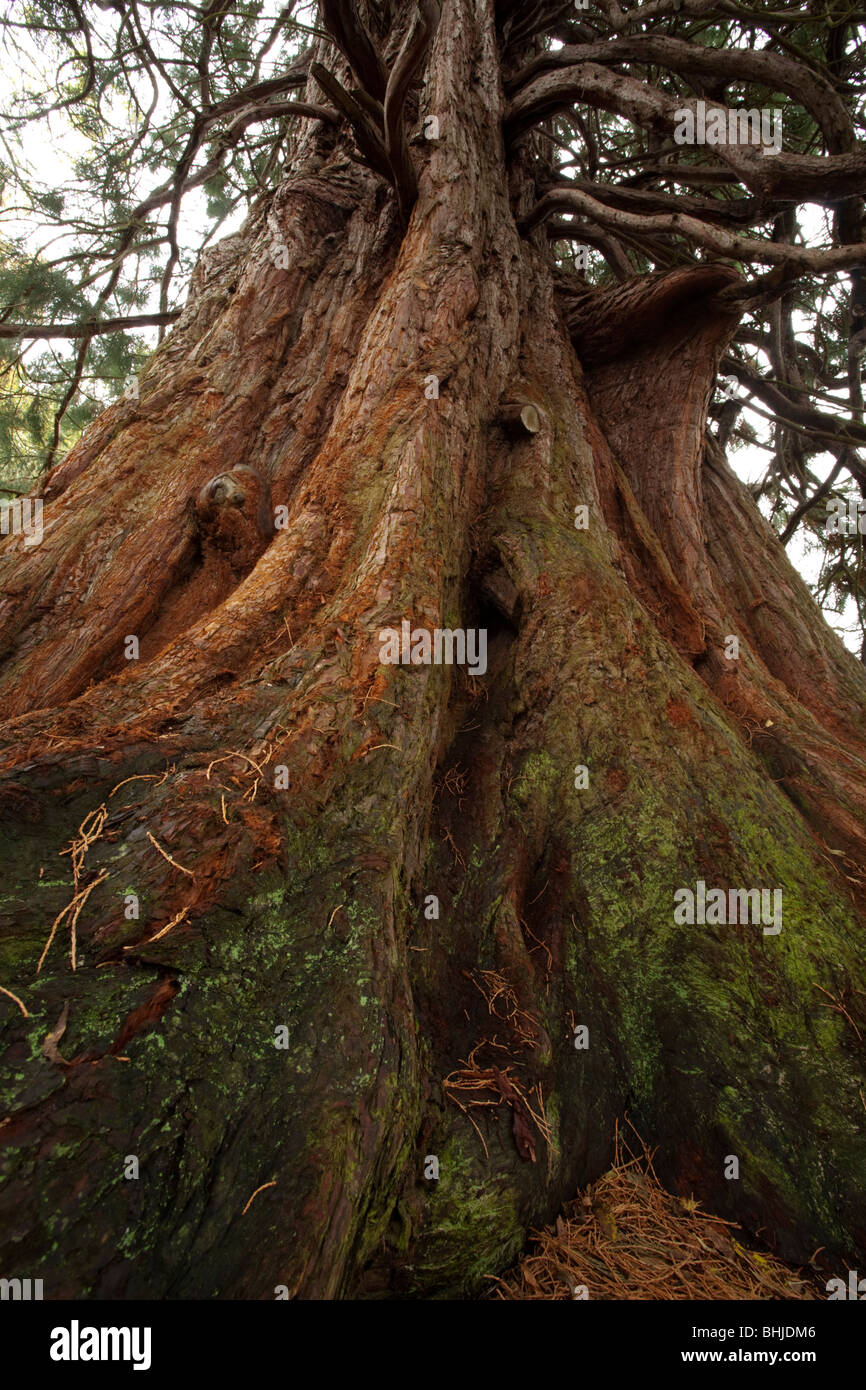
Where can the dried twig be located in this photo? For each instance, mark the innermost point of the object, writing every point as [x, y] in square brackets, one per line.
[17, 1000]
[256, 1193]
[175, 921]
[458, 857]
[141, 777]
[74, 908]
[539, 944]
[168, 857]
[839, 1007]
[496, 989]
[483, 1083]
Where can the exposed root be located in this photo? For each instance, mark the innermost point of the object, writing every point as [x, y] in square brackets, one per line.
[225, 758]
[264, 753]
[89, 831]
[142, 777]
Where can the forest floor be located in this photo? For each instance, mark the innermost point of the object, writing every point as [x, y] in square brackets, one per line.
[627, 1238]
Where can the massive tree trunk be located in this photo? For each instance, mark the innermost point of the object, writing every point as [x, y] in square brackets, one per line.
[306, 353]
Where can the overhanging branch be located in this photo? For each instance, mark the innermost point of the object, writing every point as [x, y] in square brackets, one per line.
[744, 212]
[697, 233]
[722, 65]
[810, 502]
[91, 329]
[823, 179]
[841, 431]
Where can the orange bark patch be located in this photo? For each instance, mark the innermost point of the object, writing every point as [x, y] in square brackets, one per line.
[678, 713]
[151, 1011]
[615, 780]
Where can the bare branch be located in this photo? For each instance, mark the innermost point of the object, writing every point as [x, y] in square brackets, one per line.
[744, 212]
[791, 412]
[409, 59]
[810, 502]
[800, 177]
[369, 141]
[697, 233]
[343, 22]
[725, 65]
[91, 329]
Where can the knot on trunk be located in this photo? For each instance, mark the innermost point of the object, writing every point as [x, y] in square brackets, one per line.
[235, 515]
[520, 417]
